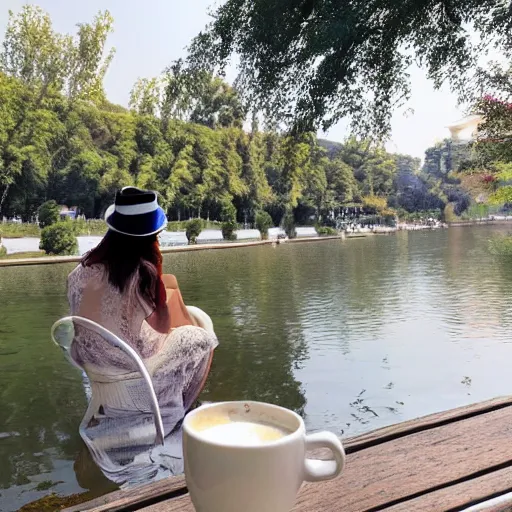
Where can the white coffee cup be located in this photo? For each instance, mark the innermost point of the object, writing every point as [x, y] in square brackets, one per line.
[223, 476]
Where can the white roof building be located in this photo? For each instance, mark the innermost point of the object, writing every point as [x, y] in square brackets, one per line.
[465, 129]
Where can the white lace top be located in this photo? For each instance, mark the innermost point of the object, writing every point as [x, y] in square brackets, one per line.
[121, 313]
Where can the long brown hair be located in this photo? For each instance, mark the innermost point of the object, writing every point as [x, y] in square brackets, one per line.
[122, 255]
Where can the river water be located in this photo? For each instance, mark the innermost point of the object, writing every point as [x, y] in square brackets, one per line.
[353, 335]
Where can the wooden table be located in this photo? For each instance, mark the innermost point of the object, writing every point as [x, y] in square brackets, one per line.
[444, 462]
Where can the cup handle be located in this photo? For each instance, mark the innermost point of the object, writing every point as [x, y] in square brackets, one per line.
[317, 470]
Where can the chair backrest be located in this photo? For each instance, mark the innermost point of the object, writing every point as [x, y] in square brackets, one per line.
[63, 334]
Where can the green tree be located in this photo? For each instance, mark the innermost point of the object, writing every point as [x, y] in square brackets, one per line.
[36, 65]
[373, 167]
[200, 97]
[182, 136]
[313, 63]
[48, 213]
[341, 183]
[87, 59]
[145, 96]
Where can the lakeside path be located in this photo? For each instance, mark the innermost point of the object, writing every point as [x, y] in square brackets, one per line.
[47, 260]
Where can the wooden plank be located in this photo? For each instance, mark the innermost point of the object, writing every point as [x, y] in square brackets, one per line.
[397, 433]
[444, 503]
[416, 464]
[181, 504]
[408, 467]
[383, 435]
[134, 497]
[460, 496]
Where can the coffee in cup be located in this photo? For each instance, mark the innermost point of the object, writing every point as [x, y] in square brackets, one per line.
[251, 456]
[243, 433]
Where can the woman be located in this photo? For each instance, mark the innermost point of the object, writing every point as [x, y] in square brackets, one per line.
[120, 285]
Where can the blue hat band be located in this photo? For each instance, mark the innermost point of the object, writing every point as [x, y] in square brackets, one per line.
[138, 225]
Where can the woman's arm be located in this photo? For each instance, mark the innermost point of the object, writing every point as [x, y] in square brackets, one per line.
[177, 309]
[160, 318]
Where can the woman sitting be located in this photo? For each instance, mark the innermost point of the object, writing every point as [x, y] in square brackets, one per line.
[120, 285]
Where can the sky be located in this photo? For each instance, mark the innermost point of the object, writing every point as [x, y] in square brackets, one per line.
[150, 34]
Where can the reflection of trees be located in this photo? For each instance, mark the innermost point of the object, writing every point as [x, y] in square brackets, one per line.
[269, 303]
[360, 282]
[473, 277]
[251, 296]
[41, 396]
[462, 281]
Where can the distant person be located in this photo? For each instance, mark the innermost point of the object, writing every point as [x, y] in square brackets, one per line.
[120, 285]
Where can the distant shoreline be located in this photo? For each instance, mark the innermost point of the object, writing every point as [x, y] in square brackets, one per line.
[464, 223]
[47, 260]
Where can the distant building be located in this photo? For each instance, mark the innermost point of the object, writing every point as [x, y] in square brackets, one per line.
[465, 130]
[68, 212]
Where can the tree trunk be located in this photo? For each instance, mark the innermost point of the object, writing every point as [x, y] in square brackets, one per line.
[3, 198]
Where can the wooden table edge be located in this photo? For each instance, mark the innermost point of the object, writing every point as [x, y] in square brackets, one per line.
[145, 495]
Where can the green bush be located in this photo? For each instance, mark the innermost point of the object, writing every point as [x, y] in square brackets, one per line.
[229, 228]
[229, 225]
[326, 231]
[263, 223]
[289, 225]
[48, 213]
[59, 239]
[3, 251]
[193, 230]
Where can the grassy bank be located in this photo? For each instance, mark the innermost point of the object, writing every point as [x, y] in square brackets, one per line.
[94, 227]
[22, 255]
[13, 230]
[81, 228]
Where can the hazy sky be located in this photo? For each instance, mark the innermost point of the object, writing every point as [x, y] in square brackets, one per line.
[149, 34]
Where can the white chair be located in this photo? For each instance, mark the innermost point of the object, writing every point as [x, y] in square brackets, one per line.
[63, 334]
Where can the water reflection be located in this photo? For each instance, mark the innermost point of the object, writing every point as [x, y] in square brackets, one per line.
[41, 398]
[354, 335]
[256, 319]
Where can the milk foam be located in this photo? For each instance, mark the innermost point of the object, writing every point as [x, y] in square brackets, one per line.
[243, 433]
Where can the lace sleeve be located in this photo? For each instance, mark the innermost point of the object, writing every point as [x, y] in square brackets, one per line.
[182, 360]
[197, 363]
[78, 279]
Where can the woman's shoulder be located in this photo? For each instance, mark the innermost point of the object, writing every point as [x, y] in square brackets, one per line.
[84, 273]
